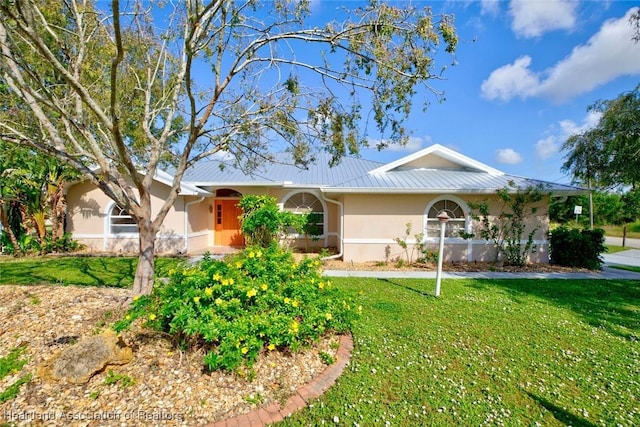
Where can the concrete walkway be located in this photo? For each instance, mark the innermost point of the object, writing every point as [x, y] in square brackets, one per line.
[606, 273]
[629, 257]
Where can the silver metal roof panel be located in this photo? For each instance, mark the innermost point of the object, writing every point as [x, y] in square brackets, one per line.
[354, 174]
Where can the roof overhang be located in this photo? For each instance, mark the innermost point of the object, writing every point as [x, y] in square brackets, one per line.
[185, 189]
[333, 190]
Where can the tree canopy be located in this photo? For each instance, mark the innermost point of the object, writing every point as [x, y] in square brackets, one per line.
[118, 92]
[607, 155]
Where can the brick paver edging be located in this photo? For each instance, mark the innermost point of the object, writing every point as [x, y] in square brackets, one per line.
[312, 390]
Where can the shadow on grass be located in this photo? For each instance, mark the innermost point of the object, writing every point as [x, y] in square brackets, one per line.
[560, 414]
[610, 304]
[79, 271]
[428, 294]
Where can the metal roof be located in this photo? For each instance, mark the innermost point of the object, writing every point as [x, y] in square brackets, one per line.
[356, 175]
[438, 181]
[216, 172]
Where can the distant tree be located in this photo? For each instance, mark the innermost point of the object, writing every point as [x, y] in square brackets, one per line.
[620, 131]
[116, 93]
[607, 155]
[608, 208]
[631, 205]
[562, 211]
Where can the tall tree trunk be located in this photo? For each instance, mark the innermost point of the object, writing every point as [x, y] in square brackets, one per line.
[58, 206]
[590, 206]
[7, 229]
[143, 281]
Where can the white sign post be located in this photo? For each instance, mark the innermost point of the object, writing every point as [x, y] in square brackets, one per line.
[577, 210]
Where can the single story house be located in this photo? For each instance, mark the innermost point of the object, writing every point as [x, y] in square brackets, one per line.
[362, 206]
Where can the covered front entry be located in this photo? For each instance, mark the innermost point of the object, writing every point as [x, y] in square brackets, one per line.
[227, 224]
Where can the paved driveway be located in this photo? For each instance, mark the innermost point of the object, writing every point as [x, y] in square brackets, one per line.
[628, 257]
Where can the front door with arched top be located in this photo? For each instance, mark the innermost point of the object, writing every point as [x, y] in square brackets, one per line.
[227, 223]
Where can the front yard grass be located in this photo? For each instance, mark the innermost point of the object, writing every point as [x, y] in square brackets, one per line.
[80, 271]
[488, 352]
[627, 268]
[612, 249]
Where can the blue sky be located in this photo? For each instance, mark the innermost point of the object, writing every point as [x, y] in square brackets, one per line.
[527, 70]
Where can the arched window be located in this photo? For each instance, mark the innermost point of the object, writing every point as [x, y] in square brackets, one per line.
[307, 203]
[455, 226]
[121, 222]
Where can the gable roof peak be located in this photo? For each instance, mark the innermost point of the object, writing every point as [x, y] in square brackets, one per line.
[440, 151]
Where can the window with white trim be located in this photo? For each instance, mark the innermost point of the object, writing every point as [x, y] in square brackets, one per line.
[307, 203]
[454, 227]
[121, 222]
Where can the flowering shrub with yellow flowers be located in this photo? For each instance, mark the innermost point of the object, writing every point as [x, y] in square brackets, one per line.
[257, 300]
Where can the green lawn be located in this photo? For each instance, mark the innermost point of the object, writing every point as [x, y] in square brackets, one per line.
[612, 249]
[81, 271]
[489, 352]
[627, 267]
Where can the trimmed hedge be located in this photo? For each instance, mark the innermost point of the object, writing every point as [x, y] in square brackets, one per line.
[577, 248]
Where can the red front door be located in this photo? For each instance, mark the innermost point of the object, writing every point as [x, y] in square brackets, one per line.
[227, 224]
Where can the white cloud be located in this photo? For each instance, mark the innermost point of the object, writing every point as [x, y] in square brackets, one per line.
[534, 18]
[547, 147]
[550, 146]
[609, 54]
[511, 80]
[508, 156]
[490, 7]
[569, 127]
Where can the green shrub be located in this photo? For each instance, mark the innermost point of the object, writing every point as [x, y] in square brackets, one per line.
[29, 244]
[66, 243]
[577, 248]
[257, 300]
[263, 223]
[26, 242]
[634, 227]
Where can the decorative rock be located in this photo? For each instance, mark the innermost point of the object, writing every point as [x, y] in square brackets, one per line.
[78, 363]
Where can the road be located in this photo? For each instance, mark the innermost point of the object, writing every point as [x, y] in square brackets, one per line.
[617, 241]
[631, 256]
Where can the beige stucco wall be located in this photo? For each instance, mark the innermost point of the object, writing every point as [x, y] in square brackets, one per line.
[88, 208]
[87, 219]
[373, 222]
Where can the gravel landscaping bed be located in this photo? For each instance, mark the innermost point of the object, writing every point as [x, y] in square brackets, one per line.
[162, 386]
